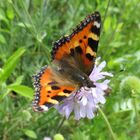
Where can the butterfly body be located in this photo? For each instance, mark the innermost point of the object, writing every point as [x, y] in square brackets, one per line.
[73, 59]
[67, 69]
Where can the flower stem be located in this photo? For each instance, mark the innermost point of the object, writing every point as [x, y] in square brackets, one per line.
[108, 124]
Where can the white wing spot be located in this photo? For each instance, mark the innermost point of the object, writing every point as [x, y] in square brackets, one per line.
[97, 24]
[45, 108]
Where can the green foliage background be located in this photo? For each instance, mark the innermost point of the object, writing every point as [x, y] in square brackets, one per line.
[27, 30]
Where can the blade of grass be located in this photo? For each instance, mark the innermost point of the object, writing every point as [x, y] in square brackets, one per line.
[10, 64]
[29, 17]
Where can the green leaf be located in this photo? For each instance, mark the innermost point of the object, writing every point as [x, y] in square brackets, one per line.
[107, 24]
[10, 13]
[2, 39]
[22, 90]
[5, 91]
[2, 16]
[18, 81]
[10, 64]
[30, 133]
[78, 135]
[20, 24]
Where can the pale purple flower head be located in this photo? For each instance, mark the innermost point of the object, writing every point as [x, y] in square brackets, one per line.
[84, 102]
[47, 138]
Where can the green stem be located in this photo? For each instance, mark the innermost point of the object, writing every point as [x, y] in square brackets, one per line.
[108, 124]
[60, 125]
[136, 115]
[46, 50]
[18, 15]
[28, 15]
[105, 14]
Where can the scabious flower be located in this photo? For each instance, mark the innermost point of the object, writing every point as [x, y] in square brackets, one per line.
[84, 102]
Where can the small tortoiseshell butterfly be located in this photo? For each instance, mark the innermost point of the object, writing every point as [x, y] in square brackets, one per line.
[73, 59]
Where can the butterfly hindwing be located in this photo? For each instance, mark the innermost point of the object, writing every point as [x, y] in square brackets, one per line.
[82, 44]
[48, 91]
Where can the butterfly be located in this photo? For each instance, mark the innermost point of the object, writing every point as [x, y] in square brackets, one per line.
[73, 58]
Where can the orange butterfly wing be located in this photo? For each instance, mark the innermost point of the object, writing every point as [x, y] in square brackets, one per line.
[48, 92]
[81, 44]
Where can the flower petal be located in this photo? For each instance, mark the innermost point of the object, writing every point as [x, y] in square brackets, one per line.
[83, 111]
[106, 74]
[84, 100]
[77, 111]
[68, 110]
[90, 114]
[103, 85]
[101, 66]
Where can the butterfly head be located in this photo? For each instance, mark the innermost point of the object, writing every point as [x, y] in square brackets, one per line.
[87, 82]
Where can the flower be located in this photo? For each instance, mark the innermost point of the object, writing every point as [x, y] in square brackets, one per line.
[47, 138]
[84, 102]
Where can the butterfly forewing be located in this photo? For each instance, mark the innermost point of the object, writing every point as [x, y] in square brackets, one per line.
[82, 44]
